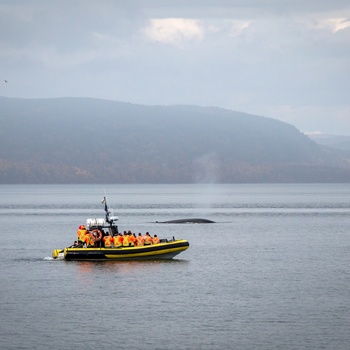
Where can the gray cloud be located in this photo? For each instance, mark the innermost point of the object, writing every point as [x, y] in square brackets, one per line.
[288, 60]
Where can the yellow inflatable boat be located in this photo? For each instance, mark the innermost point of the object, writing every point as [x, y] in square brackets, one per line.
[164, 250]
[95, 248]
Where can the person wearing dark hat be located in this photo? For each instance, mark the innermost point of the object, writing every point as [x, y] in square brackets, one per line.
[155, 239]
[148, 239]
[140, 240]
[126, 239]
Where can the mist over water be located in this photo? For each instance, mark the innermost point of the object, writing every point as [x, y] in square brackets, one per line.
[271, 273]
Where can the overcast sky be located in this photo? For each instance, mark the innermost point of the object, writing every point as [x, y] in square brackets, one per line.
[286, 59]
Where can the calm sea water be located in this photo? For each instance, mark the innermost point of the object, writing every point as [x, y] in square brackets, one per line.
[271, 273]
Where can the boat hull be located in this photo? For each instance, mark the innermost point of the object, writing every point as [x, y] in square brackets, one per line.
[158, 251]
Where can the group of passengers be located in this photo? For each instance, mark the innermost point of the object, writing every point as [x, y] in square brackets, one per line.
[100, 238]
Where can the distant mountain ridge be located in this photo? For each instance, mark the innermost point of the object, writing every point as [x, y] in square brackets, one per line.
[83, 140]
[339, 142]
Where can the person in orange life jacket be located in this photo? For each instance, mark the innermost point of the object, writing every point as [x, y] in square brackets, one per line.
[81, 233]
[89, 241]
[156, 240]
[148, 239]
[132, 239]
[118, 240]
[115, 240]
[140, 240]
[108, 241]
[125, 240]
[144, 238]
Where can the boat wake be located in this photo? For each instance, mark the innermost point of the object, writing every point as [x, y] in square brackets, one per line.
[49, 258]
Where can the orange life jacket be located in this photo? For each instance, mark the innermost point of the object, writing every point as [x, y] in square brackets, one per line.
[81, 233]
[126, 240]
[132, 240]
[108, 240]
[140, 241]
[156, 240]
[148, 240]
[89, 241]
[118, 241]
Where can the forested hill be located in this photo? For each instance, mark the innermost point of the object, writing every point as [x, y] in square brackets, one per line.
[81, 140]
